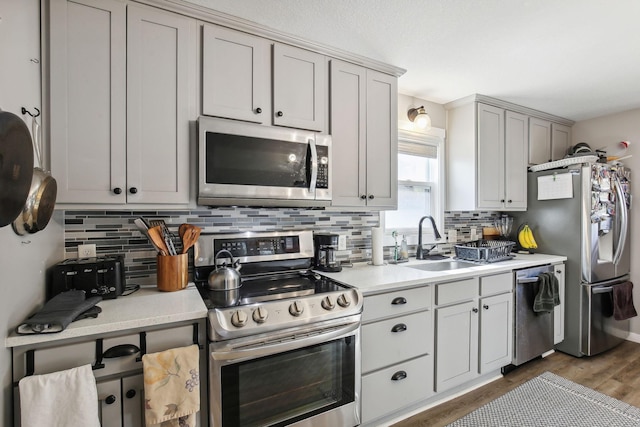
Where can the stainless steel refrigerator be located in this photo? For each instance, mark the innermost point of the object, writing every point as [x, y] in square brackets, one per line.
[582, 212]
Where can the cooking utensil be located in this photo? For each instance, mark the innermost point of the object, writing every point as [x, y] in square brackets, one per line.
[224, 282]
[41, 200]
[189, 235]
[166, 235]
[503, 225]
[156, 237]
[144, 229]
[16, 166]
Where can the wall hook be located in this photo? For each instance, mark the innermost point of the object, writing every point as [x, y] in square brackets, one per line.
[25, 111]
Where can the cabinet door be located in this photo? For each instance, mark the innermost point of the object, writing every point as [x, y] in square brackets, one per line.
[516, 147]
[558, 311]
[348, 133]
[496, 332]
[133, 401]
[491, 157]
[110, 403]
[456, 345]
[299, 88]
[539, 141]
[235, 75]
[382, 141]
[560, 140]
[87, 100]
[161, 74]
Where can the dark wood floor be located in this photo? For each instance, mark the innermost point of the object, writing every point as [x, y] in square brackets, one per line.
[615, 373]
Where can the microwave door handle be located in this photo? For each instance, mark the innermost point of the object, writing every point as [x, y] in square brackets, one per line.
[622, 211]
[314, 164]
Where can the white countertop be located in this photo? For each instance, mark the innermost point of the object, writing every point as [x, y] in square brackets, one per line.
[146, 307]
[372, 279]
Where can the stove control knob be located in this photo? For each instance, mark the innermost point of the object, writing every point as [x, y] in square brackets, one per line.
[344, 301]
[239, 318]
[296, 308]
[260, 315]
[327, 303]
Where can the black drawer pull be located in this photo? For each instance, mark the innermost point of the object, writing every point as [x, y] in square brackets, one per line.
[399, 300]
[131, 394]
[400, 327]
[400, 375]
[120, 351]
[110, 400]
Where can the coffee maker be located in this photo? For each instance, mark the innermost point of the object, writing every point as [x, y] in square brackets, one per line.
[325, 246]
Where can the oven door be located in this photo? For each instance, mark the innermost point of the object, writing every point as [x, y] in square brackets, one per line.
[303, 378]
[245, 163]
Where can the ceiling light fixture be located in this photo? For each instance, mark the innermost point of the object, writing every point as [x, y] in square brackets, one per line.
[420, 117]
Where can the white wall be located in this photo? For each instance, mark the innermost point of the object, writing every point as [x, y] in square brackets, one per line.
[607, 132]
[23, 261]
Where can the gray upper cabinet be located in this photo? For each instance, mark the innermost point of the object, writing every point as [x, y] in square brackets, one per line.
[548, 140]
[120, 133]
[236, 70]
[364, 137]
[238, 83]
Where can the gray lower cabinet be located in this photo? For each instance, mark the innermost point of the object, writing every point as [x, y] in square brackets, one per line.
[473, 327]
[119, 380]
[397, 352]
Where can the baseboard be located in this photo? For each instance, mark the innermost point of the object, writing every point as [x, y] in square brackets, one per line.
[633, 337]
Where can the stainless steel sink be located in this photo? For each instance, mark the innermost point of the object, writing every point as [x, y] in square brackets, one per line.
[443, 266]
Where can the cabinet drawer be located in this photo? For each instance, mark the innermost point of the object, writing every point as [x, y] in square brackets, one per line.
[498, 283]
[391, 341]
[447, 293]
[396, 303]
[382, 395]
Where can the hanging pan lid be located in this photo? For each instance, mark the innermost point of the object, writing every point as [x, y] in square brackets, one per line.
[16, 166]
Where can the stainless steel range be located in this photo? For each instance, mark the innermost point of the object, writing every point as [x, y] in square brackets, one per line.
[287, 352]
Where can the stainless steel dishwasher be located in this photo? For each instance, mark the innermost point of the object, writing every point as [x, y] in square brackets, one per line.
[533, 332]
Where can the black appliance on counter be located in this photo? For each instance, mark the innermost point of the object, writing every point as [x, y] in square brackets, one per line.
[325, 246]
[99, 276]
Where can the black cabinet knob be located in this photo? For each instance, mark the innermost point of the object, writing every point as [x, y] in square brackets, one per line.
[363, 197]
[501, 200]
[474, 309]
[279, 114]
[117, 190]
[485, 306]
[371, 196]
[110, 400]
[509, 201]
[130, 394]
[258, 110]
[133, 190]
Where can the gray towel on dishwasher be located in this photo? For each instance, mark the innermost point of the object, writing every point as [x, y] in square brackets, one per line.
[548, 295]
[59, 312]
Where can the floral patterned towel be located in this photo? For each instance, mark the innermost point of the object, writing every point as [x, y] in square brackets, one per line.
[172, 387]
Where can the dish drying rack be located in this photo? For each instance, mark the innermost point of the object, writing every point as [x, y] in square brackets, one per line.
[563, 162]
[485, 251]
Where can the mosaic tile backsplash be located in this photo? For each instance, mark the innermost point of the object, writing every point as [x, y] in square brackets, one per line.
[113, 232]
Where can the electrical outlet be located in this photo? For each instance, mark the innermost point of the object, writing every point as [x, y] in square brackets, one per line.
[87, 251]
[474, 234]
[453, 236]
[342, 243]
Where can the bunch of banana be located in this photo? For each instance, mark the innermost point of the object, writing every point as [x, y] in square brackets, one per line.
[525, 238]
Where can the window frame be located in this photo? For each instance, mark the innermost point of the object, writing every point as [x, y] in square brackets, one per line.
[434, 137]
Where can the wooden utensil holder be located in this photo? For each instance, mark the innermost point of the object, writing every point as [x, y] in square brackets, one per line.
[172, 272]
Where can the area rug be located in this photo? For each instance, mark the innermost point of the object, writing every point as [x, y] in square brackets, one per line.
[550, 400]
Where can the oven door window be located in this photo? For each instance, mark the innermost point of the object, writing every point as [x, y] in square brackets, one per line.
[283, 388]
[245, 160]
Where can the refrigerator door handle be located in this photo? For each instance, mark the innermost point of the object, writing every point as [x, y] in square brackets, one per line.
[601, 289]
[622, 208]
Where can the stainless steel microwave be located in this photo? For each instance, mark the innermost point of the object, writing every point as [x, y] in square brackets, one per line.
[247, 164]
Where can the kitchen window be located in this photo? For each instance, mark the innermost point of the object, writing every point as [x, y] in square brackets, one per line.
[420, 187]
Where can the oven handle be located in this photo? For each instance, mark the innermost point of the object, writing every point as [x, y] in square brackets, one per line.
[291, 342]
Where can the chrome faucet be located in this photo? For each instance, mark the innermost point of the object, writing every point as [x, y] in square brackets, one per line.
[419, 251]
